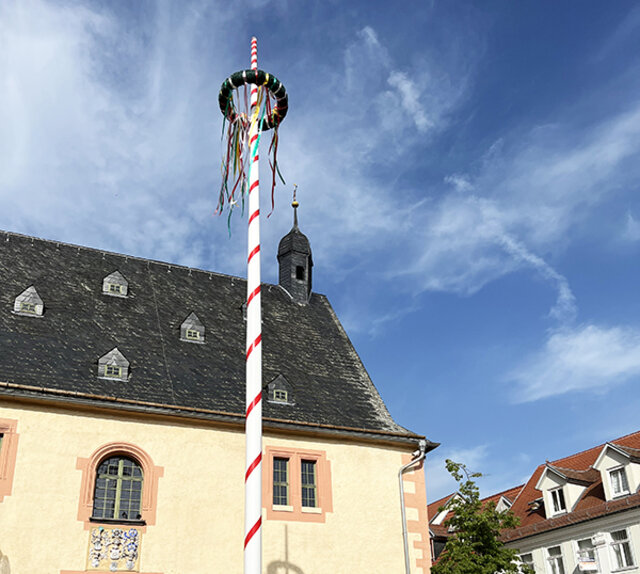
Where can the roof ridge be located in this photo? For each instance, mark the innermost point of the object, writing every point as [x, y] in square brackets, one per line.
[555, 462]
[135, 257]
[106, 252]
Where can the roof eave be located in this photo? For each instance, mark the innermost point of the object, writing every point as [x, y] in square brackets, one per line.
[73, 398]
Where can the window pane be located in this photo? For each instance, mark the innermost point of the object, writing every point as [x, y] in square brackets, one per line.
[118, 487]
[619, 535]
[308, 478]
[281, 481]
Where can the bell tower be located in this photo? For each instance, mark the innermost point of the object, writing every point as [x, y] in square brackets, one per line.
[295, 261]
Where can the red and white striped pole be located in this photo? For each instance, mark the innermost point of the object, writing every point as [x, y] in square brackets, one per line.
[253, 423]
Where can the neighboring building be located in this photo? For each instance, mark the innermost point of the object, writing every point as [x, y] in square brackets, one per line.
[580, 513]
[121, 423]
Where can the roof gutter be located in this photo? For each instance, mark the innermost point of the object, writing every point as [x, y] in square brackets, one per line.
[418, 457]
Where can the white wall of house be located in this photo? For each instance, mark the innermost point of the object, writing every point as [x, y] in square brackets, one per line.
[610, 460]
[599, 530]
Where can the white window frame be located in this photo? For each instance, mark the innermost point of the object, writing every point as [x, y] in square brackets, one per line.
[615, 566]
[591, 550]
[556, 493]
[531, 564]
[555, 558]
[618, 469]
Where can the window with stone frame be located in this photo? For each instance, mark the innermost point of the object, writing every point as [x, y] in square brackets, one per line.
[280, 481]
[309, 483]
[297, 485]
[118, 490]
[8, 453]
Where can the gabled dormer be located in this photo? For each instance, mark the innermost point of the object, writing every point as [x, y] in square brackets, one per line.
[440, 515]
[115, 285]
[503, 504]
[280, 391]
[114, 366]
[192, 330]
[562, 488]
[619, 467]
[28, 303]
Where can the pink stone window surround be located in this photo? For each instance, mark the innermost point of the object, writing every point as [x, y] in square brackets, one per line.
[89, 466]
[8, 453]
[294, 511]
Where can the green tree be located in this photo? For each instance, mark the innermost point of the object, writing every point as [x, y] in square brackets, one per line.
[474, 546]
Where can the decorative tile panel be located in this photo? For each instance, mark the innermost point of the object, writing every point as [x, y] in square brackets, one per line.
[114, 549]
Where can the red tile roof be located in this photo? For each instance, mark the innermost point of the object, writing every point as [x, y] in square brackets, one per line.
[432, 509]
[591, 504]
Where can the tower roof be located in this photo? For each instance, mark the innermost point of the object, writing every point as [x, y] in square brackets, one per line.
[295, 240]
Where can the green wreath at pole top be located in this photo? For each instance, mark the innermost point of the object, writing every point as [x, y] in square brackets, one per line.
[259, 78]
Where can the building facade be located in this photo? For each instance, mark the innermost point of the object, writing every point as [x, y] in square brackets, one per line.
[582, 513]
[121, 423]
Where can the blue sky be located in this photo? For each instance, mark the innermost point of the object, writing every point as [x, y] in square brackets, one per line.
[468, 177]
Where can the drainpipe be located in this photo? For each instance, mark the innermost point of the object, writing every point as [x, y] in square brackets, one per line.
[418, 457]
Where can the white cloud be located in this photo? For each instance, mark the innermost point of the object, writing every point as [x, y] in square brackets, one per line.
[587, 358]
[410, 98]
[632, 228]
[459, 182]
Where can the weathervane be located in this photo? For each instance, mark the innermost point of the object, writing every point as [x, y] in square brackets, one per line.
[240, 163]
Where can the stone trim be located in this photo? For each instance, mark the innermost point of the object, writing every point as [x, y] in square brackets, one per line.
[294, 512]
[8, 454]
[89, 466]
[415, 500]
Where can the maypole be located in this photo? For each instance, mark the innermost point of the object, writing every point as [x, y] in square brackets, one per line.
[253, 424]
[242, 153]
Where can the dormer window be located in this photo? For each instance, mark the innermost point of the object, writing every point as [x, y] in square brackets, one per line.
[280, 391]
[192, 329]
[27, 308]
[115, 285]
[619, 483]
[557, 498]
[28, 303]
[113, 371]
[114, 366]
[280, 395]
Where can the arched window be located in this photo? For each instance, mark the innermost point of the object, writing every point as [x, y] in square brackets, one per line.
[118, 489]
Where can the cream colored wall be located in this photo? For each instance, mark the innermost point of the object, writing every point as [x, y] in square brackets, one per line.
[199, 524]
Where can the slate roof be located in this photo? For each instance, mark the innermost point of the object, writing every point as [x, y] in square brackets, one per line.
[295, 240]
[58, 353]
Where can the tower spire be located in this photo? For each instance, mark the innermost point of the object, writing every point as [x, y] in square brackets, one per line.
[295, 261]
[295, 205]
